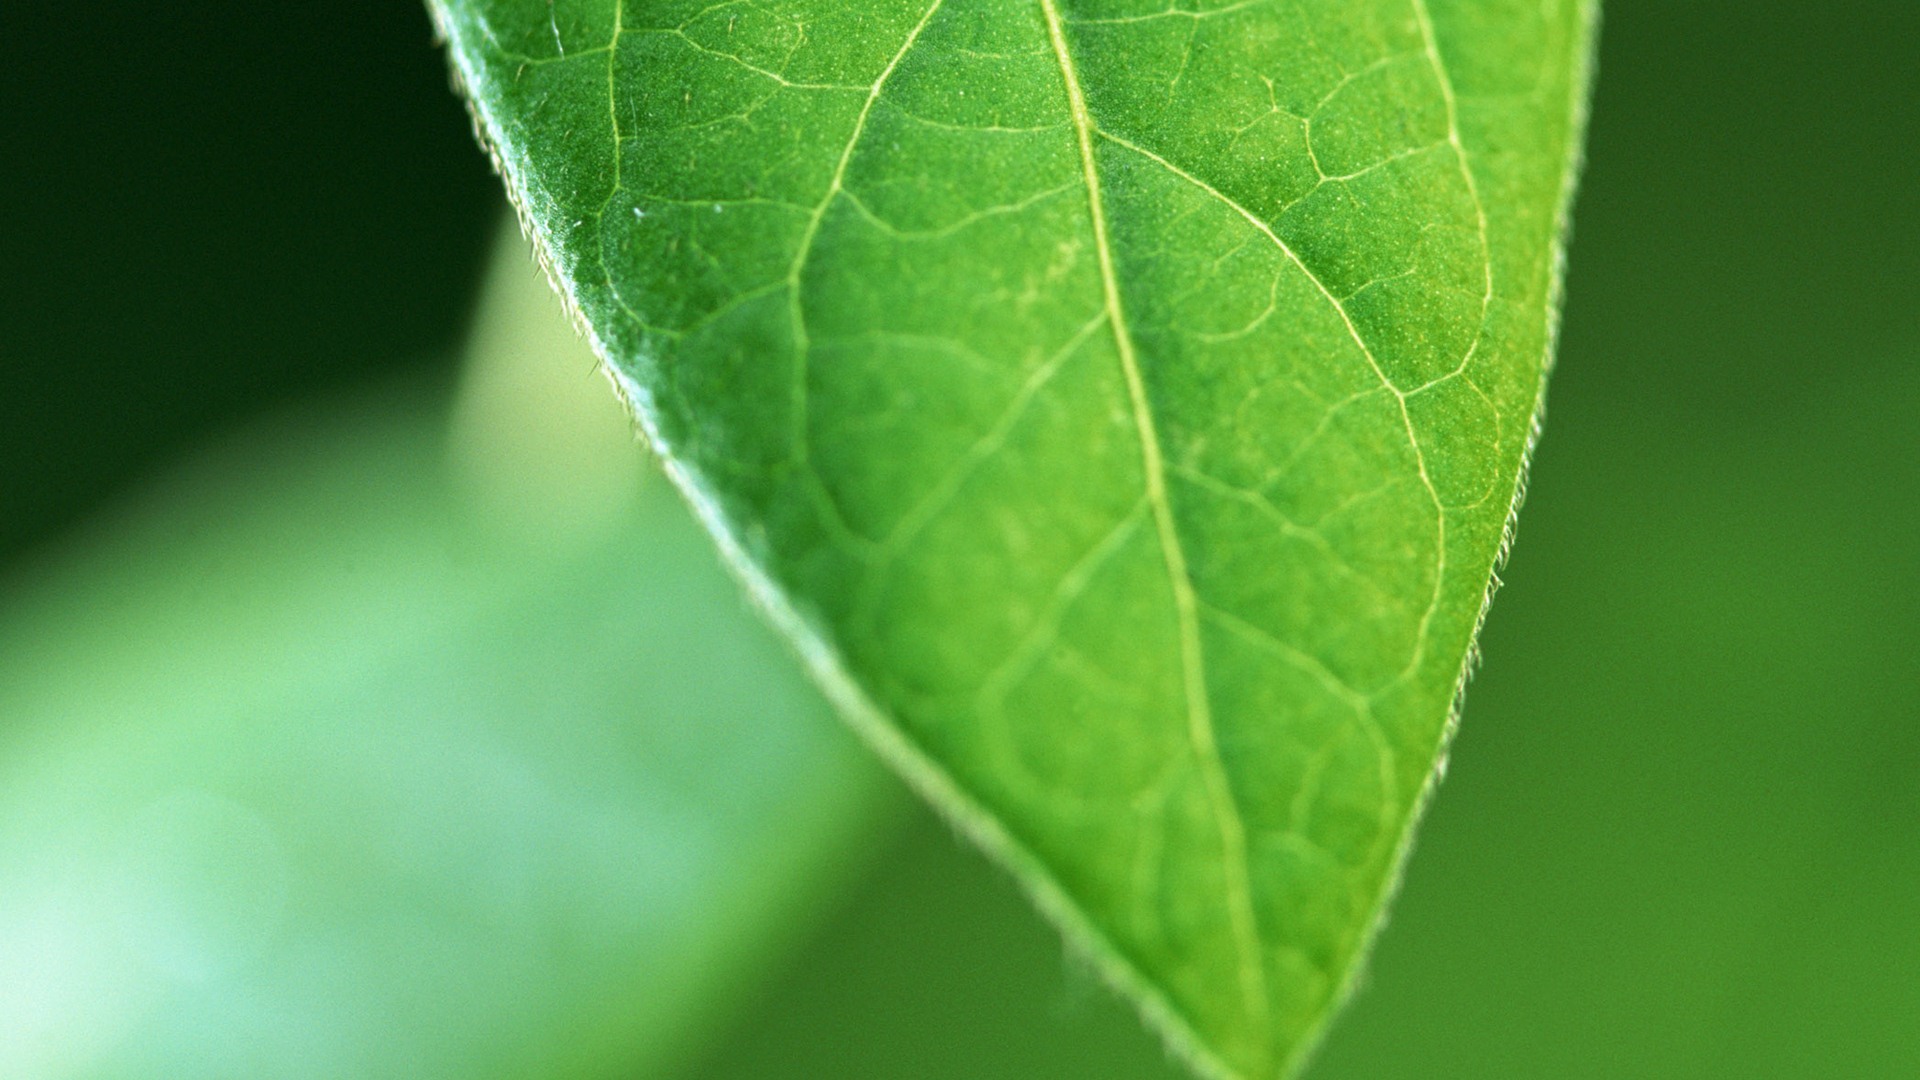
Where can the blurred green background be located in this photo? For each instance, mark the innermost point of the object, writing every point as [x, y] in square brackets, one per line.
[1680, 835]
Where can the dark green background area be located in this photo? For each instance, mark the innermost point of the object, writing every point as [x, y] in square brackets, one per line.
[212, 208]
[1680, 836]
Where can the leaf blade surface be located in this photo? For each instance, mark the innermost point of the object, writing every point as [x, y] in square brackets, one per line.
[1122, 405]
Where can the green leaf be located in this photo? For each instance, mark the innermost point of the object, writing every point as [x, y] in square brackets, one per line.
[1121, 403]
[339, 755]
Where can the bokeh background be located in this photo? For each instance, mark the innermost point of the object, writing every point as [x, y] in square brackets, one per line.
[1680, 834]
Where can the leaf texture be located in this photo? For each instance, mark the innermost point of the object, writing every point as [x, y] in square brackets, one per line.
[1121, 402]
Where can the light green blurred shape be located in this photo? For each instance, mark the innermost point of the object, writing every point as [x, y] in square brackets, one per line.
[373, 745]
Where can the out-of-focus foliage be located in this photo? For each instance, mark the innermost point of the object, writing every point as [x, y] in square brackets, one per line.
[358, 751]
[214, 207]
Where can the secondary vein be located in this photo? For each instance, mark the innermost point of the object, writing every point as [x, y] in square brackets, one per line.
[1245, 924]
[1400, 396]
[796, 313]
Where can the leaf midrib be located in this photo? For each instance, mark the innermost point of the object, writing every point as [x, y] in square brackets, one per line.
[1220, 797]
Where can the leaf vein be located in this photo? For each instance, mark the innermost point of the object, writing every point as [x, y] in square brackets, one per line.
[797, 313]
[1353, 331]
